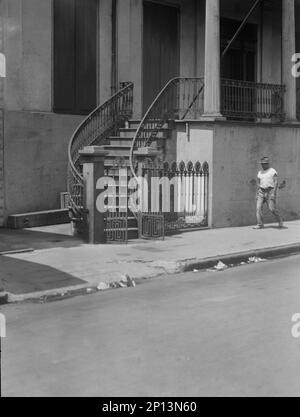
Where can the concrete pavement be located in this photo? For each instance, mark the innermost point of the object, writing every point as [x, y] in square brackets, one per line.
[226, 334]
[60, 261]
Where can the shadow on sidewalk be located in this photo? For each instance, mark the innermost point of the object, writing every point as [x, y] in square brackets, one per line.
[11, 240]
[20, 277]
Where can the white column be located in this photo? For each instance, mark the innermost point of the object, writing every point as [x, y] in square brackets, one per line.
[212, 71]
[288, 50]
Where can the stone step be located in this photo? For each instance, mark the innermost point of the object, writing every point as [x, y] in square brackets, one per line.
[130, 133]
[110, 161]
[117, 152]
[38, 218]
[121, 146]
[134, 124]
[121, 143]
[117, 140]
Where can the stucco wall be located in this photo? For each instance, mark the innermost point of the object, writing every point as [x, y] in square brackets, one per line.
[233, 151]
[36, 159]
[237, 151]
[28, 49]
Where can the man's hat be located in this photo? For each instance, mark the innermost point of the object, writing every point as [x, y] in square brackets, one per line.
[265, 160]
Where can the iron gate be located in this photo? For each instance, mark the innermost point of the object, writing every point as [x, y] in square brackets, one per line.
[173, 197]
[177, 198]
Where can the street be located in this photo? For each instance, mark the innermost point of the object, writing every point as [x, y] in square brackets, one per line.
[195, 334]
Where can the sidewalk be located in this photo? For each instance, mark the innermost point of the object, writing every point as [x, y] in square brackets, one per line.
[56, 261]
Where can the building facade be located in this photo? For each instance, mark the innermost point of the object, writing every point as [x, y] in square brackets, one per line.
[66, 57]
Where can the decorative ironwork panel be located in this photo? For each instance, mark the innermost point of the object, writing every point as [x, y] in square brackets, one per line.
[151, 226]
[116, 227]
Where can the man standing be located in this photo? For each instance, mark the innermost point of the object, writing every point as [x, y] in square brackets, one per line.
[267, 193]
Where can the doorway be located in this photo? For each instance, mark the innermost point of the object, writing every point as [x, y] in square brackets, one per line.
[239, 62]
[161, 56]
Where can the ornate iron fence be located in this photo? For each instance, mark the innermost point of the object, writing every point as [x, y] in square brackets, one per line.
[177, 198]
[250, 100]
[102, 122]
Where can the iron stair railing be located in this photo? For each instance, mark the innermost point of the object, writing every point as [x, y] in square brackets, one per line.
[94, 130]
[180, 99]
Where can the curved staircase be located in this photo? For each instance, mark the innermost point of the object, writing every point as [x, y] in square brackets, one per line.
[111, 125]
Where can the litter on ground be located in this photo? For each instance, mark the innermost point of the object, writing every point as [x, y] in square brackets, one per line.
[255, 259]
[220, 266]
[103, 286]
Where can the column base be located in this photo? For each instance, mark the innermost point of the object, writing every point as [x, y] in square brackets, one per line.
[291, 121]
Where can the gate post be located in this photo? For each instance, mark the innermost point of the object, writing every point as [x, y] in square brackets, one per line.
[148, 153]
[92, 158]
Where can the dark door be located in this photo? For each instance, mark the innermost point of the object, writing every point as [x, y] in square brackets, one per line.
[240, 60]
[161, 49]
[75, 37]
[239, 63]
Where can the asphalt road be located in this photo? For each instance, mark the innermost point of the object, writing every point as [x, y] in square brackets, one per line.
[195, 334]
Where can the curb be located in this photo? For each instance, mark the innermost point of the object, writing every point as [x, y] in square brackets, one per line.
[16, 251]
[233, 258]
[177, 268]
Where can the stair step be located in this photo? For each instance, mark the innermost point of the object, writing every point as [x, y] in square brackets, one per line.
[127, 133]
[111, 162]
[114, 153]
[134, 124]
[117, 140]
[118, 147]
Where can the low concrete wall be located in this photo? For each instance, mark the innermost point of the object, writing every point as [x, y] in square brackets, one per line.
[233, 151]
[35, 150]
[237, 151]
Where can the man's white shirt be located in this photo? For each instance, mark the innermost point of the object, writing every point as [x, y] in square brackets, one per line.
[267, 178]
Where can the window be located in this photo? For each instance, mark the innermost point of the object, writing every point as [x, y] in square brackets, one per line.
[75, 45]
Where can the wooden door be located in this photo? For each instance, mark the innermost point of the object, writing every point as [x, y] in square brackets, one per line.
[160, 49]
[75, 47]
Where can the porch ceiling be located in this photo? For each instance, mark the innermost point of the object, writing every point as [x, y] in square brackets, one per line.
[243, 6]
